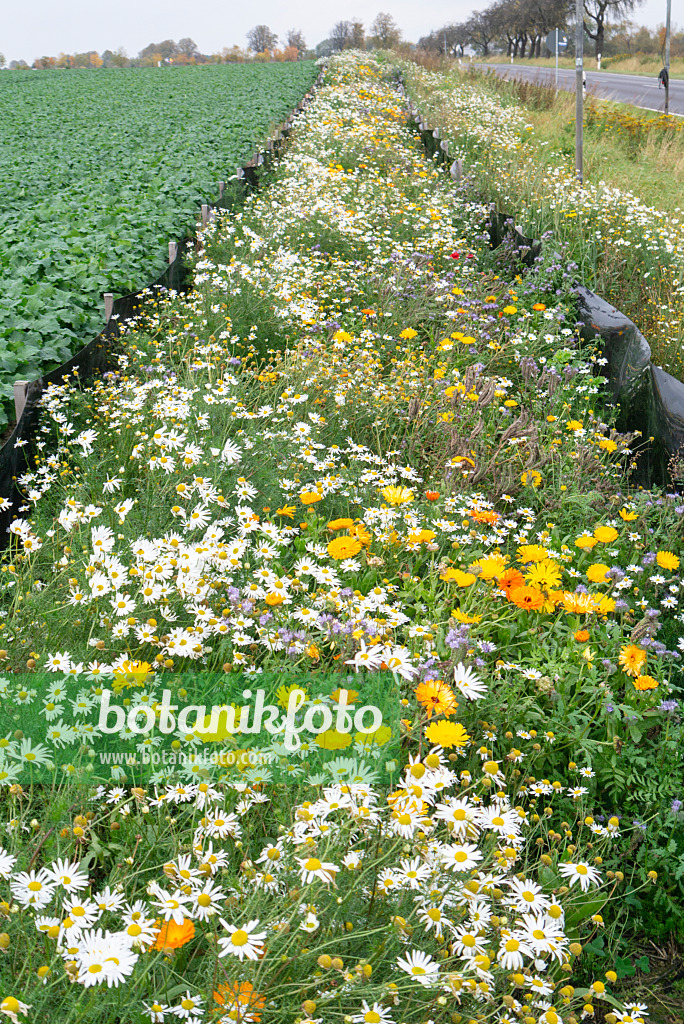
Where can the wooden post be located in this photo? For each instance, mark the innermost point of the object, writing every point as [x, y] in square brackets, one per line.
[173, 251]
[240, 173]
[457, 169]
[19, 397]
[222, 186]
[205, 214]
[108, 305]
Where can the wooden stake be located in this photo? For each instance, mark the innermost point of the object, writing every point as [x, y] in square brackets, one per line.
[108, 305]
[19, 397]
[173, 251]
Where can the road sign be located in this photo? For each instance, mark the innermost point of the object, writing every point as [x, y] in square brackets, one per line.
[551, 41]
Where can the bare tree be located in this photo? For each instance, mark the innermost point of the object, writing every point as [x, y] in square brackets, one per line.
[260, 38]
[599, 11]
[188, 47]
[481, 28]
[347, 35]
[296, 39]
[385, 33]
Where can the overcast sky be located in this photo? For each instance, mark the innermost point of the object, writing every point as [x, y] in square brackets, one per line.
[45, 27]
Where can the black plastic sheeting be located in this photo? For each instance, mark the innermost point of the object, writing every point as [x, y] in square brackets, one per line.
[99, 355]
[649, 399]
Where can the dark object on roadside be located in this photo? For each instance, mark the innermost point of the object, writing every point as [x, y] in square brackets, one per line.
[663, 77]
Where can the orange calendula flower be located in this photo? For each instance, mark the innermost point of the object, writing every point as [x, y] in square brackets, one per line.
[666, 560]
[605, 534]
[586, 542]
[447, 734]
[172, 935]
[539, 307]
[528, 598]
[485, 517]
[632, 659]
[597, 572]
[510, 580]
[645, 683]
[273, 599]
[340, 524]
[344, 547]
[432, 495]
[581, 636]
[310, 497]
[436, 697]
[240, 1001]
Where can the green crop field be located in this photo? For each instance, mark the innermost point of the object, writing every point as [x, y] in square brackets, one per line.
[97, 171]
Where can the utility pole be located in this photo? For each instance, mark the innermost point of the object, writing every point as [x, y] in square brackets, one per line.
[445, 48]
[667, 57]
[556, 62]
[579, 88]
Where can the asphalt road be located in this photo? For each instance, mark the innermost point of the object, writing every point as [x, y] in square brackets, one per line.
[639, 90]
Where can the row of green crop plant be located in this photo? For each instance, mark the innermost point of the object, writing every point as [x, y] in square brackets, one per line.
[97, 173]
[519, 154]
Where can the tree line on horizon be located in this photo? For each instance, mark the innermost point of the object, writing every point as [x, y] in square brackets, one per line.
[519, 28]
[262, 44]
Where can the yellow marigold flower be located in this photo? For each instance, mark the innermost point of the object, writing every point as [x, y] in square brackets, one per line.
[532, 553]
[666, 560]
[578, 604]
[632, 659]
[490, 567]
[462, 617]
[286, 510]
[447, 734]
[378, 738]
[605, 605]
[461, 579]
[340, 524]
[310, 497]
[597, 572]
[344, 547]
[132, 673]
[607, 445]
[408, 333]
[546, 574]
[332, 740]
[574, 425]
[273, 599]
[361, 533]
[510, 310]
[421, 536]
[605, 534]
[645, 683]
[586, 542]
[397, 495]
[531, 476]
[627, 515]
